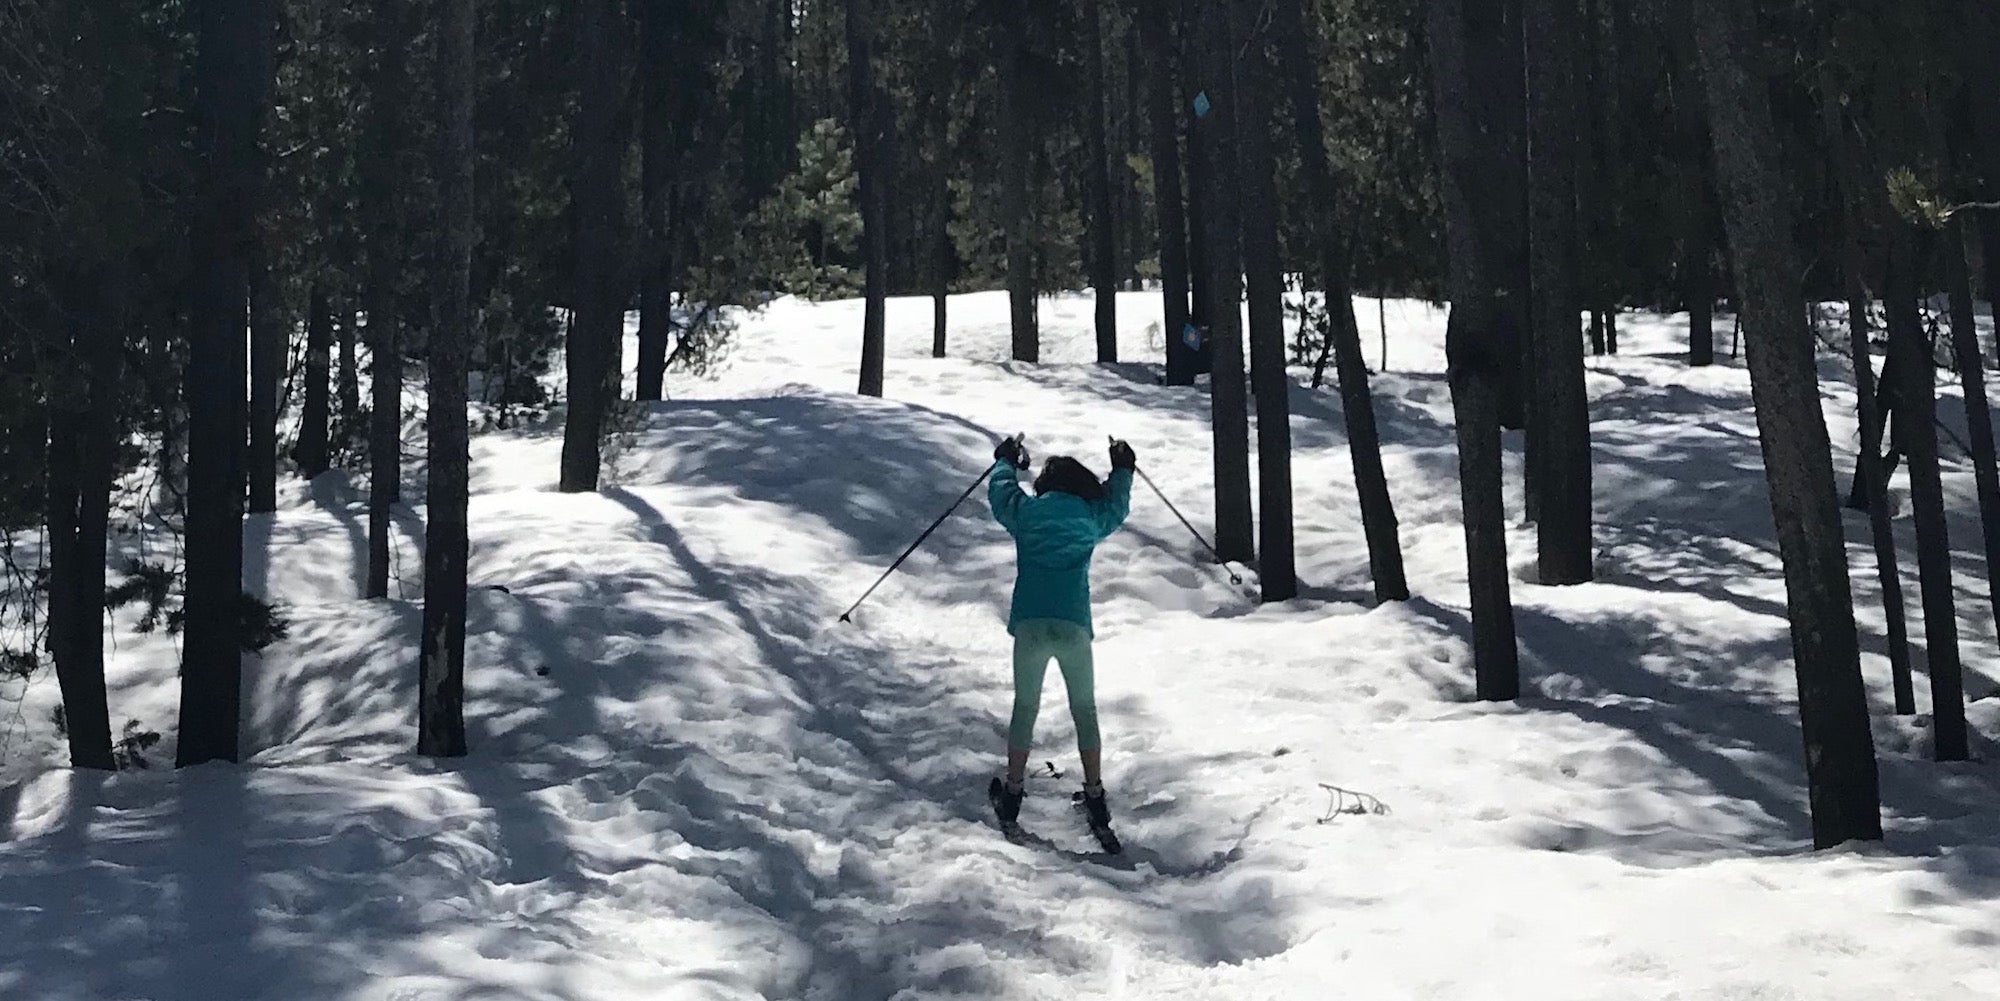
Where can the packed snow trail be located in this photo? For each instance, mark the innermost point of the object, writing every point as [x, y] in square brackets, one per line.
[689, 780]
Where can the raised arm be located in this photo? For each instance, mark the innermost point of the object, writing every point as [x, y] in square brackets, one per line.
[1003, 488]
[1117, 503]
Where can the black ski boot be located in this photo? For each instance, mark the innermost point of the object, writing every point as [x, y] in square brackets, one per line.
[1097, 811]
[1006, 805]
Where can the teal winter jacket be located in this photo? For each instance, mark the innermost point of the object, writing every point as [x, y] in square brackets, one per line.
[1054, 537]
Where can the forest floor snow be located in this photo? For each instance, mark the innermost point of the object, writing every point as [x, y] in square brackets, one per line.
[688, 780]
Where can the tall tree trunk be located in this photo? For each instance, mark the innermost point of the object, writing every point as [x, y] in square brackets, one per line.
[82, 439]
[1989, 240]
[311, 451]
[267, 372]
[232, 85]
[385, 427]
[658, 154]
[382, 201]
[1475, 52]
[1164, 109]
[1200, 180]
[1981, 49]
[941, 257]
[1698, 287]
[1871, 479]
[597, 309]
[1833, 708]
[1217, 131]
[1257, 163]
[1916, 431]
[1560, 447]
[1357, 403]
[870, 110]
[348, 385]
[1978, 417]
[1017, 140]
[441, 670]
[1097, 177]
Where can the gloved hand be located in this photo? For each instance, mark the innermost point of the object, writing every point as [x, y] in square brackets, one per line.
[1012, 452]
[1122, 456]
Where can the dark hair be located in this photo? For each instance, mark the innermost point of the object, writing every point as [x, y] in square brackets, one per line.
[1069, 476]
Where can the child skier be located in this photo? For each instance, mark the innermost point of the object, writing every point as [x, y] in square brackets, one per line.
[1055, 534]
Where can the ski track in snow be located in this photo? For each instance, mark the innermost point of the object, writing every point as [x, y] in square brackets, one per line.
[689, 781]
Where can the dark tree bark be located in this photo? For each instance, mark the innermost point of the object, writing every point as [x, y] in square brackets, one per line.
[870, 110]
[1981, 50]
[1698, 286]
[1597, 332]
[1475, 52]
[1217, 131]
[1978, 416]
[1257, 164]
[1357, 403]
[382, 185]
[232, 87]
[1871, 479]
[1017, 142]
[311, 451]
[1916, 433]
[1129, 211]
[941, 255]
[1201, 277]
[267, 373]
[1833, 707]
[598, 310]
[1989, 239]
[385, 430]
[1559, 434]
[1097, 176]
[943, 259]
[441, 670]
[1164, 108]
[80, 473]
[348, 385]
[658, 153]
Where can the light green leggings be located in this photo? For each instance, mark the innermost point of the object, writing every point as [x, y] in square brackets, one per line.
[1036, 642]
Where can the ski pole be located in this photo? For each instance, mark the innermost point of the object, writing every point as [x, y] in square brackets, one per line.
[1234, 577]
[846, 616]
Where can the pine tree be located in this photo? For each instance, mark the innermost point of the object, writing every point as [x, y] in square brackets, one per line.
[1357, 403]
[1017, 137]
[869, 109]
[232, 85]
[1263, 266]
[597, 305]
[311, 451]
[381, 198]
[1163, 108]
[1097, 174]
[441, 687]
[1216, 132]
[1475, 58]
[1839, 750]
[1558, 411]
[268, 341]
[1916, 433]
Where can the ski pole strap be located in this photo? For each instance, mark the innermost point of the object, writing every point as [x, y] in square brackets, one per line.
[846, 616]
[1234, 577]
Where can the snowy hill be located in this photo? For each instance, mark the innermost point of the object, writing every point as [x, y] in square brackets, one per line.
[689, 781]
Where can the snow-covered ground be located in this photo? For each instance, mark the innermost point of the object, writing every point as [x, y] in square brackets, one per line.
[689, 781]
